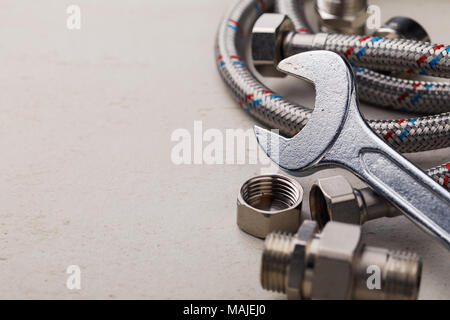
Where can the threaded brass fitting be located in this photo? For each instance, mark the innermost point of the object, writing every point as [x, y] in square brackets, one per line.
[336, 265]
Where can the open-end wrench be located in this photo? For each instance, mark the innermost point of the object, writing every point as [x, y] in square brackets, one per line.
[337, 134]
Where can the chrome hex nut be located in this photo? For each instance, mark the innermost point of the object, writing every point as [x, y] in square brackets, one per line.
[297, 263]
[343, 16]
[269, 203]
[267, 42]
[333, 199]
[333, 274]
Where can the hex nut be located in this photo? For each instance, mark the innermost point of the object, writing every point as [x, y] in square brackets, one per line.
[333, 199]
[267, 42]
[344, 25]
[342, 16]
[334, 261]
[269, 203]
[297, 262]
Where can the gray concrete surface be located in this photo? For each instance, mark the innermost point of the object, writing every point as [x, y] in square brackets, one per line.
[86, 175]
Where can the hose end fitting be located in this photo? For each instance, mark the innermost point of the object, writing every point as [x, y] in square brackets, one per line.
[342, 16]
[334, 199]
[268, 35]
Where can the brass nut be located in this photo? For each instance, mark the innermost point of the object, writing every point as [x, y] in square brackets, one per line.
[268, 203]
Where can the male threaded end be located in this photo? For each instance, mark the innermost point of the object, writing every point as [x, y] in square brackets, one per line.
[399, 275]
[278, 248]
[403, 275]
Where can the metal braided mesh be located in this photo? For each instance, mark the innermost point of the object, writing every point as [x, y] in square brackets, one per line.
[441, 175]
[401, 94]
[387, 54]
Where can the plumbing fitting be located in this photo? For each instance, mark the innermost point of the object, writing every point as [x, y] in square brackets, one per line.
[342, 16]
[402, 28]
[268, 203]
[334, 199]
[274, 38]
[267, 38]
[335, 264]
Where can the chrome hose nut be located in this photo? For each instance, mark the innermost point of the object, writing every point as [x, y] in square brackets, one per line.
[268, 203]
[402, 27]
[334, 199]
[342, 16]
[267, 39]
[335, 264]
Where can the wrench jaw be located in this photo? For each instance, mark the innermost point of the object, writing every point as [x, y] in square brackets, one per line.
[278, 148]
[273, 144]
[333, 80]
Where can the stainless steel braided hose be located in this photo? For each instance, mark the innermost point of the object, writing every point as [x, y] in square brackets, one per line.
[387, 54]
[406, 135]
[401, 94]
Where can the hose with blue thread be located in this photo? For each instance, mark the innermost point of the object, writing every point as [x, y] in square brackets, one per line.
[406, 135]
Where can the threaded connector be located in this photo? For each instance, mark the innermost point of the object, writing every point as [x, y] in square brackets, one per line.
[399, 274]
[345, 16]
[334, 199]
[403, 275]
[267, 203]
[278, 249]
[336, 265]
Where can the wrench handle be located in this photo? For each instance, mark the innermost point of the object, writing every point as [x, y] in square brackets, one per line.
[408, 188]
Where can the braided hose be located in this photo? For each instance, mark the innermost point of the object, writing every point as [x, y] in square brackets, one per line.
[387, 54]
[401, 94]
[406, 135]
[399, 55]
[441, 175]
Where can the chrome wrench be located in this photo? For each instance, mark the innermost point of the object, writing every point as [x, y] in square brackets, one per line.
[337, 134]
